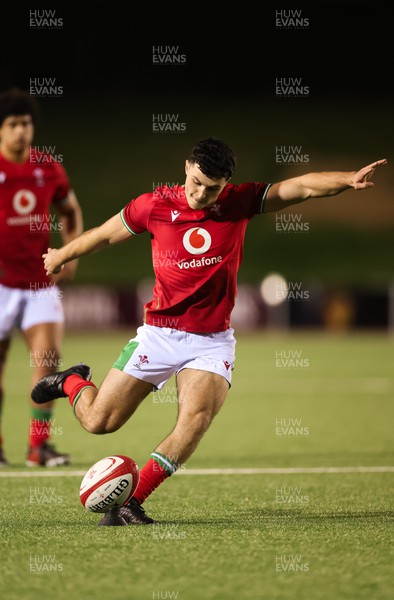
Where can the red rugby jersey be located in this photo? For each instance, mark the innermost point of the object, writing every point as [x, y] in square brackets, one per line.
[196, 253]
[26, 192]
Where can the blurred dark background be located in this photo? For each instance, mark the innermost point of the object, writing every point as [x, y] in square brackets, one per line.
[98, 120]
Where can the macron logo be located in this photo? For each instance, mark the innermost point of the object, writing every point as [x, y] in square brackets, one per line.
[174, 214]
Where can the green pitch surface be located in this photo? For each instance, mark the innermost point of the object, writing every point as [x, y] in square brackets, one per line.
[312, 403]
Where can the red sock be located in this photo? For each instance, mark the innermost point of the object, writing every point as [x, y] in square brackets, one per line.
[40, 427]
[156, 470]
[73, 385]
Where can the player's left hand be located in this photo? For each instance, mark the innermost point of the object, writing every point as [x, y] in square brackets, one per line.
[360, 179]
[52, 261]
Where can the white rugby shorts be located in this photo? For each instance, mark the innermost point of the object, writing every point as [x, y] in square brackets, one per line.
[24, 308]
[156, 353]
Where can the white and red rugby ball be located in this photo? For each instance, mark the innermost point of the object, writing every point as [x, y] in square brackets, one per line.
[109, 482]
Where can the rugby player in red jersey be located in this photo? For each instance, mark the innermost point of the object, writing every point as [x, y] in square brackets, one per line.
[30, 183]
[200, 227]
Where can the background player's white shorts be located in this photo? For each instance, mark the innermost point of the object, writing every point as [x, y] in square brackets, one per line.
[156, 353]
[25, 308]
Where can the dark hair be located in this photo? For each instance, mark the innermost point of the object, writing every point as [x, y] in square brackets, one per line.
[214, 158]
[17, 102]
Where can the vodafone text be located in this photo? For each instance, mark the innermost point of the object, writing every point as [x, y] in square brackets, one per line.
[200, 262]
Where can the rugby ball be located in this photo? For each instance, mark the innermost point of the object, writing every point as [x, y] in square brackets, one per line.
[109, 482]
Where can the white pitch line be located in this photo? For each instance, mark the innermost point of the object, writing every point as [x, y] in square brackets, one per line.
[252, 471]
[286, 470]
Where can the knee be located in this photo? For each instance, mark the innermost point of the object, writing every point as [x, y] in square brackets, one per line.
[99, 425]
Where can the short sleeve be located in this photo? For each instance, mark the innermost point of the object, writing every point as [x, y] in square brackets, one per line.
[259, 191]
[251, 198]
[62, 186]
[135, 215]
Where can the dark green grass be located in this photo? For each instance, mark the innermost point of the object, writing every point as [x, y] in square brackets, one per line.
[220, 536]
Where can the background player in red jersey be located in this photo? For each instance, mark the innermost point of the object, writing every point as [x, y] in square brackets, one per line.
[30, 182]
[187, 324]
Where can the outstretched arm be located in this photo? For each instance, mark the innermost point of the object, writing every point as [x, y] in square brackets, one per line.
[71, 225]
[315, 185]
[111, 232]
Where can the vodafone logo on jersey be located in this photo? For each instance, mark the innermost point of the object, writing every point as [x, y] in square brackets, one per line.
[24, 202]
[197, 240]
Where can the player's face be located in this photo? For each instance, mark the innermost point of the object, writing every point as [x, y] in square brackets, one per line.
[199, 189]
[16, 133]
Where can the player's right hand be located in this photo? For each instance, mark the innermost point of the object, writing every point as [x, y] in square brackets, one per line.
[52, 261]
[360, 179]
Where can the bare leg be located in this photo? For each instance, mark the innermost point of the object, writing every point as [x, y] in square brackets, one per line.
[201, 394]
[107, 409]
[44, 342]
[200, 397]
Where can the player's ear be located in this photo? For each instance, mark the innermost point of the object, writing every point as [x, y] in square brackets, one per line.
[187, 165]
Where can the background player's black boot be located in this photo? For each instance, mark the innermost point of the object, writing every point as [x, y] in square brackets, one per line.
[3, 461]
[50, 387]
[134, 514]
[45, 455]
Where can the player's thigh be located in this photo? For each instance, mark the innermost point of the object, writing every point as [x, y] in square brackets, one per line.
[119, 396]
[45, 339]
[200, 392]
